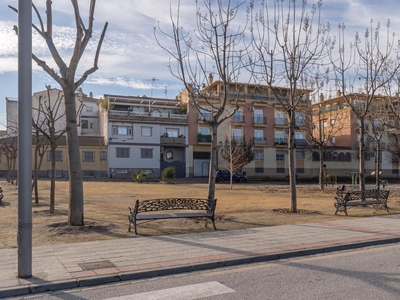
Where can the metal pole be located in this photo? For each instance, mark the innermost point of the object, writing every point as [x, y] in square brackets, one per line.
[24, 138]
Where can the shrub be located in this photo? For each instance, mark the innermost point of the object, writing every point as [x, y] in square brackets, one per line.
[168, 174]
[139, 177]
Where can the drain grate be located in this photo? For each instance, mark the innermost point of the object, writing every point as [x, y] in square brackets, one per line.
[96, 265]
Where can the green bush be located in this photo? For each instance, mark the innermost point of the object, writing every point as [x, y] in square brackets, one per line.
[139, 177]
[168, 174]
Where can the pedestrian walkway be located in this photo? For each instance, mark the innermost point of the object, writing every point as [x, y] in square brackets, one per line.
[66, 266]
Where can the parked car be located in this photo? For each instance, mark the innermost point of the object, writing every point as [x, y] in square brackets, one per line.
[225, 175]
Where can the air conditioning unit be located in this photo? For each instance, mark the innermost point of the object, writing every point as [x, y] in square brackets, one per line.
[251, 108]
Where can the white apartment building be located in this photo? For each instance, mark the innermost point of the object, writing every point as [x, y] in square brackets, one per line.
[144, 134]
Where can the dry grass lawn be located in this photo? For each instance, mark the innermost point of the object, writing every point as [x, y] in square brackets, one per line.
[106, 209]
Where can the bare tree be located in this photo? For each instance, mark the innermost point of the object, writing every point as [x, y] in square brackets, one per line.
[69, 82]
[323, 127]
[41, 147]
[288, 45]
[217, 43]
[235, 153]
[369, 65]
[48, 116]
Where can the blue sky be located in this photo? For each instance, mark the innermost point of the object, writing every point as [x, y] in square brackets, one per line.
[130, 56]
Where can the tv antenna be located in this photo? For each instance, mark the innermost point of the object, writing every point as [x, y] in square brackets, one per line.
[152, 85]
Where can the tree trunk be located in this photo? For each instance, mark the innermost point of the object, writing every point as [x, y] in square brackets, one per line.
[213, 164]
[321, 168]
[36, 183]
[75, 216]
[53, 177]
[35, 173]
[377, 165]
[292, 167]
[361, 168]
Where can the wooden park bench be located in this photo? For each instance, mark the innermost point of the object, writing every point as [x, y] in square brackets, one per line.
[188, 207]
[376, 197]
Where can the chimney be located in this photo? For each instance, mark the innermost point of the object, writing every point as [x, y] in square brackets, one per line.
[210, 78]
[321, 97]
[91, 95]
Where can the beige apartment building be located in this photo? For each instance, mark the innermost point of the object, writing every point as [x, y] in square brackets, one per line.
[338, 125]
[261, 119]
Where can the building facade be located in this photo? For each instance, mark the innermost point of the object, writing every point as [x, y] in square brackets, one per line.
[144, 135]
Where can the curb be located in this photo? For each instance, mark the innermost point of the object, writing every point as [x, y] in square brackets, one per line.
[98, 280]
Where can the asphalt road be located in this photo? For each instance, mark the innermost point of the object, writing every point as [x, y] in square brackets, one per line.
[370, 273]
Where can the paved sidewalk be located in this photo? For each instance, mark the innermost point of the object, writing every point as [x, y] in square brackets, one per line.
[83, 264]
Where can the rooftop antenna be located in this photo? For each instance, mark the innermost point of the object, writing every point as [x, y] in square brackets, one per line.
[152, 85]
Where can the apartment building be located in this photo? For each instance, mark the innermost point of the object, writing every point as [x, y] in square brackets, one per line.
[260, 118]
[335, 121]
[144, 134]
[92, 145]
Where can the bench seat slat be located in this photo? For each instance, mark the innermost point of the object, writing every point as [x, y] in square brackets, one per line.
[171, 215]
[355, 203]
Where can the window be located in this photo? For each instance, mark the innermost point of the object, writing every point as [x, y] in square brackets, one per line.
[122, 152]
[146, 153]
[85, 124]
[280, 155]
[146, 131]
[121, 130]
[103, 155]
[300, 154]
[258, 116]
[237, 134]
[57, 174]
[299, 118]
[88, 156]
[89, 109]
[173, 132]
[204, 130]
[58, 155]
[300, 170]
[333, 122]
[280, 118]
[237, 116]
[169, 154]
[89, 174]
[280, 170]
[259, 135]
[259, 170]
[258, 154]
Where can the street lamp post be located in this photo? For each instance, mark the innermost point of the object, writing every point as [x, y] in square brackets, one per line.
[24, 239]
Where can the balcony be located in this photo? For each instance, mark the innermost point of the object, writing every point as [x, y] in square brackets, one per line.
[172, 140]
[204, 138]
[260, 140]
[124, 115]
[259, 120]
[281, 141]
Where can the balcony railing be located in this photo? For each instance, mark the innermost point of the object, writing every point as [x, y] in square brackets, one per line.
[299, 123]
[300, 142]
[280, 121]
[260, 140]
[237, 137]
[204, 138]
[146, 114]
[281, 141]
[172, 140]
[237, 118]
[259, 119]
[202, 116]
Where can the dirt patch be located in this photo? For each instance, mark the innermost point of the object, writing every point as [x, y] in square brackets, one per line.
[106, 209]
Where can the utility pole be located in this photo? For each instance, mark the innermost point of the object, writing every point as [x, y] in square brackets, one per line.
[24, 239]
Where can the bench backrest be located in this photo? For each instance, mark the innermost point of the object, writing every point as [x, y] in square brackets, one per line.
[369, 194]
[175, 204]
